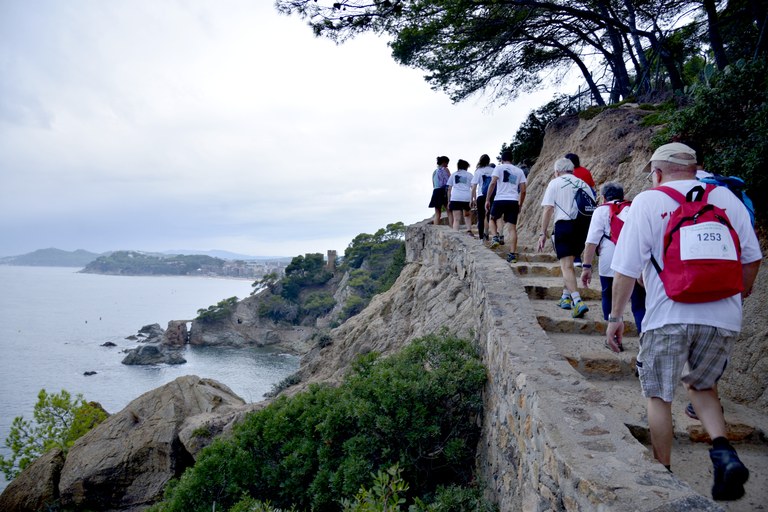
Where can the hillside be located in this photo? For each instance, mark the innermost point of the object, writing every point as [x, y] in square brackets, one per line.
[51, 258]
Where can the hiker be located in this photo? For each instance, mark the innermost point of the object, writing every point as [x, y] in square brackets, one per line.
[507, 187]
[701, 330]
[459, 193]
[604, 229]
[581, 172]
[440, 189]
[586, 176]
[569, 232]
[481, 180]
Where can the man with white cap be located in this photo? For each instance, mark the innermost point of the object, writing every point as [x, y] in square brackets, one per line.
[679, 333]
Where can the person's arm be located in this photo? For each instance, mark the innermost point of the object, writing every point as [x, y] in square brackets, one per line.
[621, 291]
[489, 194]
[749, 274]
[546, 216]
[473, 199]
[586, 267]
[522, 196]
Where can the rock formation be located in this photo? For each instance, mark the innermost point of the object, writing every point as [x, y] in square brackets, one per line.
[159, 346]
[153, 354]
[245, 328]
[124, 463]
[36, 486]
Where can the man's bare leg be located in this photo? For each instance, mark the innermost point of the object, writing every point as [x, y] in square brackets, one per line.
[660, 424]
[569, 273]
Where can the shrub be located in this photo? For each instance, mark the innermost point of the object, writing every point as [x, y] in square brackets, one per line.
[59, 421]
[215, 313]
[277, 309]
[353, 306]
[317, 304]
[728, 122]
[417, 409]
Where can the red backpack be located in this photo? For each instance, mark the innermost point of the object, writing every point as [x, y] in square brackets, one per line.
[702, 252]
[615, 222]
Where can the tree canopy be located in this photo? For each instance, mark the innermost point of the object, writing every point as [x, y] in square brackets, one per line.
[507, 47]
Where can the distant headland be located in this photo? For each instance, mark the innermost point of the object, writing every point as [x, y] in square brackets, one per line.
[138, 263]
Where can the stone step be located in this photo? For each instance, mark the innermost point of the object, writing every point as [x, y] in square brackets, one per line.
[537, 269]
[552, 318]
[589, 356]
[549, 288]
[523, 255]
[582, 343]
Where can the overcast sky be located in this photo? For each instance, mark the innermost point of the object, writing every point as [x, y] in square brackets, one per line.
[156, 125]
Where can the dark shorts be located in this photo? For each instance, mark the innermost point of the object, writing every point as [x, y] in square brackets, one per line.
[459, 205]
[439, 198]
[506, 209]
[570, 236]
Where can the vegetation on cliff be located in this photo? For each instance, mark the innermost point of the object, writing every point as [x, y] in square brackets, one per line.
[418, 409]
[218, 311]
[307, 289]
[59, 421]
[726, 119]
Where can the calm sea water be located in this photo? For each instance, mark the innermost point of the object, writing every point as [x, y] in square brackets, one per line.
[53, 321]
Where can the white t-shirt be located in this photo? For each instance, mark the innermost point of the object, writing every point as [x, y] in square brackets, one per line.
[482, 174]
[642, 235]
[509, 179]
[460, 183]
[561, 193]
[599, 233]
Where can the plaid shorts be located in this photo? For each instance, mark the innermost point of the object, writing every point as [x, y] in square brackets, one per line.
[665, 351]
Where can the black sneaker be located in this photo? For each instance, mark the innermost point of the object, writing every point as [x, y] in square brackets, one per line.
[730, 474]
[512, 258]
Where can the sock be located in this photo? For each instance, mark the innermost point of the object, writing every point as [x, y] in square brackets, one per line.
[576, 297]
[721, 443]
[566, 293]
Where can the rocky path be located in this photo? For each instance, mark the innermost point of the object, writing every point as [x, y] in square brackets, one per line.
[581, 342]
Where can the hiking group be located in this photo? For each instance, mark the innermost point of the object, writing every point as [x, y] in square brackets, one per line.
[684, 254]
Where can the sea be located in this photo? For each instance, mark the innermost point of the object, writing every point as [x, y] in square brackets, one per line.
[54, 321]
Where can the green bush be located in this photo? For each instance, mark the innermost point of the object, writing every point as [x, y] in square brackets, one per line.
[58, 421]
[217, 312]
[304, 271]
[277, 309]
[728, 121]
[317, 304]
[418, 409]
[353, 306]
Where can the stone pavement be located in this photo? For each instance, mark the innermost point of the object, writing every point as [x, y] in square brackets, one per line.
[581, 343]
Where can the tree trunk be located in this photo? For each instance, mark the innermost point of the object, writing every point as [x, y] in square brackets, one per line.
[715, 39]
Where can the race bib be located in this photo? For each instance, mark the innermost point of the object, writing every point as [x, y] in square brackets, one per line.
[706, 241]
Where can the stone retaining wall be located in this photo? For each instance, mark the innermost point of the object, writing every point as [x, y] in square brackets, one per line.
[550, 441]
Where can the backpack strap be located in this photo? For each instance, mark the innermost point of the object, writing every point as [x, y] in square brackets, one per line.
[697, 193]
[673, 193]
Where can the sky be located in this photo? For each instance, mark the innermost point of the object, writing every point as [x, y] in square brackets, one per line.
[198, 125]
